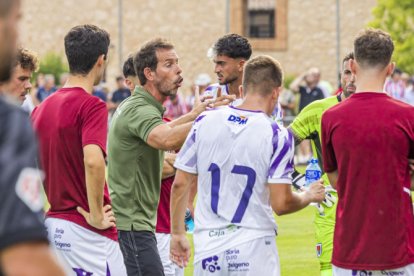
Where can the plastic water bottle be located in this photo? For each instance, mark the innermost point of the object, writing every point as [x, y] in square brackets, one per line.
[313, 172]
[189, 222]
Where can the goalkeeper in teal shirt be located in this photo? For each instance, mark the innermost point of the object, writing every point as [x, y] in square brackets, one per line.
[307, 125]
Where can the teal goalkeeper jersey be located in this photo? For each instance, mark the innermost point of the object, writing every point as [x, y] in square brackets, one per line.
[307, 125]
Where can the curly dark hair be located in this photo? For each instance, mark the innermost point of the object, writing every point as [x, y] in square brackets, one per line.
[27, 59]
[233, 46]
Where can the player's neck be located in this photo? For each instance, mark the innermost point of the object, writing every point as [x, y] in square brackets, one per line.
[86, 83]
[255, 103]
[153, 91]
[370, 85]
[233, 88]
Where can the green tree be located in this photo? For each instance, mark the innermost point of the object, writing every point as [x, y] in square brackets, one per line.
[52, 63]
[397, 18]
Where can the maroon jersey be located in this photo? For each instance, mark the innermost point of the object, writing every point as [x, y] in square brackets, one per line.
[368, 139]
[65, 122]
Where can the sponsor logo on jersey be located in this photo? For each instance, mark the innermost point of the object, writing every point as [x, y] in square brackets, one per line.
[210, 264]
[232, 256]
[29, 188]
[58, 233]
[241, 120]
[242, 266]
[318, 249]
[65, 246]
[361, 273]
[216, 233]
[392, 273]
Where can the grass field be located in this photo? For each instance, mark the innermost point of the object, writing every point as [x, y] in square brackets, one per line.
[296, 245]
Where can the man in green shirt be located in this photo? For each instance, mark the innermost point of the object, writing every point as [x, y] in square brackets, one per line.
[137, 140]
[307, 125]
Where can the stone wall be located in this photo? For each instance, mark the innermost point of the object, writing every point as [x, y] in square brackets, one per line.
[193, 26]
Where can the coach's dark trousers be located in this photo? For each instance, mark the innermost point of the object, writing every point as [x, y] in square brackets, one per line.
[140, 252]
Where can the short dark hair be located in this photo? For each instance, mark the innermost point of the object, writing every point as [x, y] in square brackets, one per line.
[6, 5]
[233, 46]
[128, 67]
[262, 74]
[27, 59]
[84, 44]
[146, 57]
[348, 56]
[373, 48]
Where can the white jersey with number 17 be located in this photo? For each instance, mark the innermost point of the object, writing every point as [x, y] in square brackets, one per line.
[235, 153]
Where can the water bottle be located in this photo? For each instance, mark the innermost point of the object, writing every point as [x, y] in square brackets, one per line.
[313, 172]
[189, 222]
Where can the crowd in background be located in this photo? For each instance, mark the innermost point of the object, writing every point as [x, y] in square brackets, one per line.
[304, 89]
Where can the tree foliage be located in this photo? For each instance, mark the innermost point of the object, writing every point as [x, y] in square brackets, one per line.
[52, 63]
[397, 18]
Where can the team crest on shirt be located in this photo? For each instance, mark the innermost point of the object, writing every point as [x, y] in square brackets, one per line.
[318, 249]
[241, 120]
[210, 264]
[29, 188]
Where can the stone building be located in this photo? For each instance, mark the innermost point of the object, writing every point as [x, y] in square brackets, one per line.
[299, 33]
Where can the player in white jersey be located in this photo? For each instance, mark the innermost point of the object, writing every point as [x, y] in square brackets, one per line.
[229, 55]
[242, 161]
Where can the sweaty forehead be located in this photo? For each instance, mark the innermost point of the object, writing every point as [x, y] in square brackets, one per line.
[166, 54]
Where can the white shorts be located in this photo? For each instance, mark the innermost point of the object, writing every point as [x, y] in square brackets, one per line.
[406, 271]
[163, 245]
[256, 257]
[84, 251]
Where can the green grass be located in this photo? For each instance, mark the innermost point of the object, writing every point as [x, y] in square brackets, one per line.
[295, 242]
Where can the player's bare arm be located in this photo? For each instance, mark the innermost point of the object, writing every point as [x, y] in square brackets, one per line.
[168, 169]
[172, 135]
[200, 105]
[295, 137]
[285, 201]
[333, 177]
[29, 259]
[99, 216]
[180, 247]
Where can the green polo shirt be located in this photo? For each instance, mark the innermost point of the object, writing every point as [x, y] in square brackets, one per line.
[134, 168]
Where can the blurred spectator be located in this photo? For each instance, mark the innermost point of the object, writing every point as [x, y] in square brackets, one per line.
[121, 93]
[62, 79]
[409, 92]
[203, 80]
[47, 89]
[288, 102]
[324, 85]
[175, 107]
[306, 86]
[99, 92]
[394, 86]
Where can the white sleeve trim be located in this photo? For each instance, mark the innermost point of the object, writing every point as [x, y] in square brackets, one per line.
[279, 180]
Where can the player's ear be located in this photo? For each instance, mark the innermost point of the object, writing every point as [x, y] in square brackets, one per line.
[390, 68]
[241, 92]
[101, 60]
[241, 64]
[129, 84]
[149, 74]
